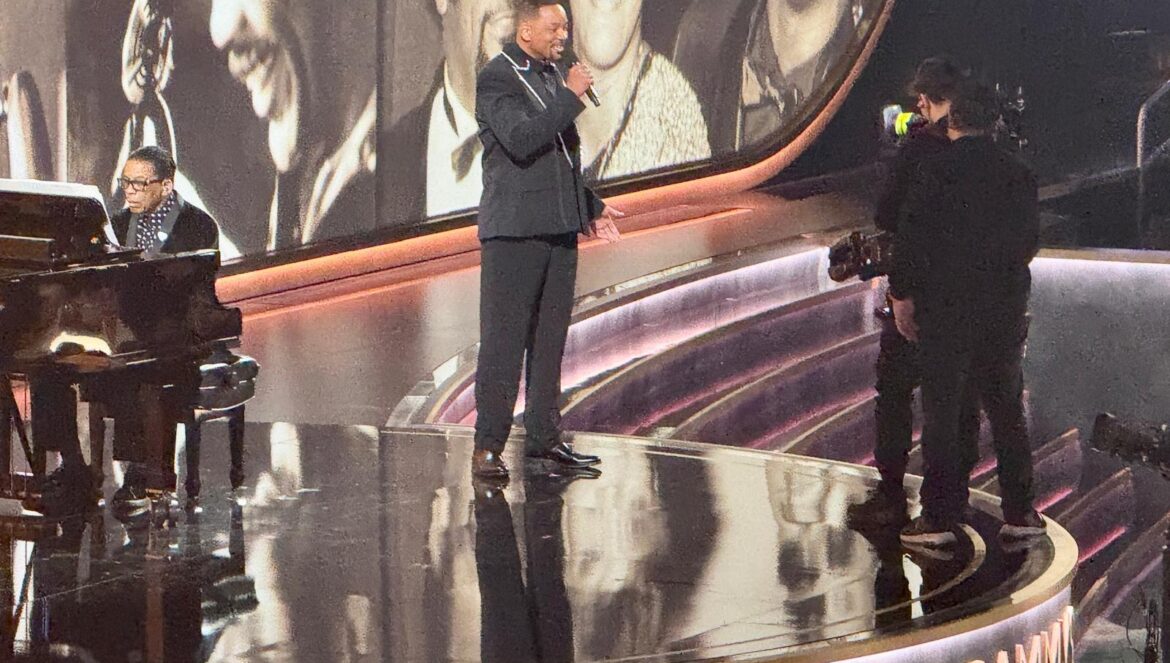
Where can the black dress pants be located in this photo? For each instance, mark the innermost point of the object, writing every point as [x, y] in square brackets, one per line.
[54, 417]
[968, 355]
[525, 303]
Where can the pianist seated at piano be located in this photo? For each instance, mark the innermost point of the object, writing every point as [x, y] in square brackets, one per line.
[125, 309]
[157, 220]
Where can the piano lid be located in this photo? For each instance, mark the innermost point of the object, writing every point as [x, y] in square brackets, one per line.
[53, 222]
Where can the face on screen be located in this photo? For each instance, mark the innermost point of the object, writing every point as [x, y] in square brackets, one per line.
[605, 29]
[475, 31]
[802, 28]
[265, 55]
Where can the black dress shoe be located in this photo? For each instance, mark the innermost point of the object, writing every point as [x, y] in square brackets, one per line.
[66, 491]
[563, 454]
[487, 464]
[131, 499]
[569, 474]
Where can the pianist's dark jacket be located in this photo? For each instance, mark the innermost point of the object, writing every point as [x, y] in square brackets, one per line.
[192, 230]
[531, 152]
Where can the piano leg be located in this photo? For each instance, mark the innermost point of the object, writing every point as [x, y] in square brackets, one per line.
[159, 428]
[236, 442]
[97, 445]
[194, 434]
[7, 597]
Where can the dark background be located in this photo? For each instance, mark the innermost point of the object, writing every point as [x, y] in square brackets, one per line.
[1086, 67]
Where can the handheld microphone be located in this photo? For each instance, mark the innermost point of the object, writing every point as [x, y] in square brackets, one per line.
[571, 58]
[592, 94]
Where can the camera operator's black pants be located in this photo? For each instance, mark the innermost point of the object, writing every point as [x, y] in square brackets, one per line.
[966, 355]
[899, 372]
[525, 303]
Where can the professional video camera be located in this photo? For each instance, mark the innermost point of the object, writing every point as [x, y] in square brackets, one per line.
[1142, 444]
[861, 255]
[1148, 446]
[897, 123]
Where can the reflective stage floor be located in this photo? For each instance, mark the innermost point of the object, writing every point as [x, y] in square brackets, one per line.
[354, 544]
[725, 330]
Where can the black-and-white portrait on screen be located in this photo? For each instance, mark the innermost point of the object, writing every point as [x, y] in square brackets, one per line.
[436, 168]
[267, 105]
[794, 57]
[271, 111]
[650, 118]
[307, 69]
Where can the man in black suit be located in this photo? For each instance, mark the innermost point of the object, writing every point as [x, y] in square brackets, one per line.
[960, 287]
[534, 204]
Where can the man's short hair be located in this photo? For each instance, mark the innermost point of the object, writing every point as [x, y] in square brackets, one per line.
[974, 108]
[526, 10]
[938, 78]
[158, 158]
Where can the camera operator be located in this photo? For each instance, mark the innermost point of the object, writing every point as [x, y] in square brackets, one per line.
[960, 282]
[935, 83]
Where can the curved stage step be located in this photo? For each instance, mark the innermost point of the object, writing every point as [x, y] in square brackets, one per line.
[634, 397]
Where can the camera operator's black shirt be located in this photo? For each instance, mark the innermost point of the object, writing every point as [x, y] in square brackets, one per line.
[920, 144]
[970, 229]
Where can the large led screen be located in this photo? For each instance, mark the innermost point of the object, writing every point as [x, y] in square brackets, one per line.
[273, 111]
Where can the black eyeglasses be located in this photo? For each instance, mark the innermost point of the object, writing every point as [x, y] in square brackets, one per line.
[136, 185]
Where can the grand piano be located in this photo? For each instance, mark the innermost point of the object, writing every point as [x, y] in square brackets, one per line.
[77, 309]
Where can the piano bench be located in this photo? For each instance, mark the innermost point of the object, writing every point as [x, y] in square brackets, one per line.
[224, 389]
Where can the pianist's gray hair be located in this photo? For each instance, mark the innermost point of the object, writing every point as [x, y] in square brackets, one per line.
[158, 158]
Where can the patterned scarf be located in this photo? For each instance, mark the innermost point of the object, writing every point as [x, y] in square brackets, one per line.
[150, 225]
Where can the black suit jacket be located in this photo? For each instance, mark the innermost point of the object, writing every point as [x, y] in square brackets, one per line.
[971, 227]
[531, 152]
[194, 230]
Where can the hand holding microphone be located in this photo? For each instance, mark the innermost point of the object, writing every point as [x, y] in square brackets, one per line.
[580, 81]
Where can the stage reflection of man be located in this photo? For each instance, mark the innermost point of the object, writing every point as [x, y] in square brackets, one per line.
[437, 168]
[791, 49]
[307, 68]
[113, 611]
[650, 116]
[521, 623]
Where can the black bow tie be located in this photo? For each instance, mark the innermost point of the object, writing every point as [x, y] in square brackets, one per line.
[548, 74]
